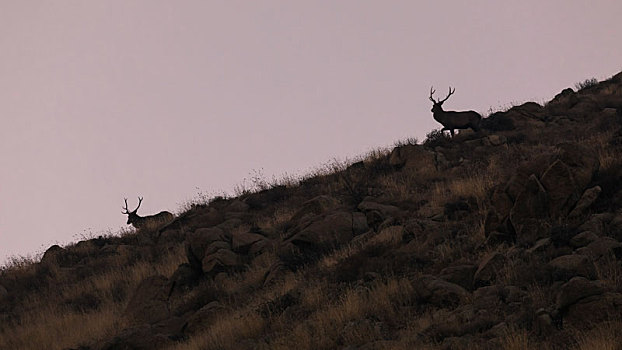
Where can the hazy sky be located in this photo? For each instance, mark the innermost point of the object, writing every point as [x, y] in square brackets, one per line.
[101, 100]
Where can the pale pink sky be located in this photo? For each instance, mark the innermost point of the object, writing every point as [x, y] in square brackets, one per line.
[101, 100]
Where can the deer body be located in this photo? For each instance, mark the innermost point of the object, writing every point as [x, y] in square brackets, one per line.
[454, 120]
[159, 220]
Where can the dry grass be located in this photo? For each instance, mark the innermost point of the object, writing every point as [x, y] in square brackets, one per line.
[607, 336]
[350, 319]
[52, 328]
[46, 323]
[609, 271]
[227, 333]
[516, 339]
[391, 235]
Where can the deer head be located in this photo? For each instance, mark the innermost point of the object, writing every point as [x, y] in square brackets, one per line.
[438, 104]
[132, 217]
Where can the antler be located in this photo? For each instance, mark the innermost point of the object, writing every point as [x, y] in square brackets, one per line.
[140, 200]
[127, 211]
[432, 91]
[450, 93]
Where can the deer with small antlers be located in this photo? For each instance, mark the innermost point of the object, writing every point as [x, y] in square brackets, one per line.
[149, 222]
[451, 119]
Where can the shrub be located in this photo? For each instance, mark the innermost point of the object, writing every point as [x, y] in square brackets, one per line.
[436, 138]
[586, 84]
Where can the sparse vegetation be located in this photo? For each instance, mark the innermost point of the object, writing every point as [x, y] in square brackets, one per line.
[586, 83]
[456, 243]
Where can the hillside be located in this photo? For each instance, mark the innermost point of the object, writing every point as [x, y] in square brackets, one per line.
[505, 239]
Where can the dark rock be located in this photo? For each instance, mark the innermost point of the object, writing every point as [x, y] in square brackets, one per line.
[593, 310]
[461, 275]
[528, 212]
[412, 157]
[582, 161]
[543, 323]
[488, 269]
[385, 210]
[559, 185]
[587, 199]
[603, 247]
[582, 239]
[539, 246]
[202, 317]
[568, 266]
[274, 273]
[219, 261]
[185, 277]
[54, 255]
[441, 293]
[562, 102]
[241, 242]
[576, 289]
[327, 231]
[597, 223]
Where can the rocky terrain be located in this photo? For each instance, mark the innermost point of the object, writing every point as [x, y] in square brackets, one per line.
[509, 238]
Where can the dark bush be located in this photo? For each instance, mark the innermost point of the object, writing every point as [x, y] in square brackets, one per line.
[498, 122]
[436, 138]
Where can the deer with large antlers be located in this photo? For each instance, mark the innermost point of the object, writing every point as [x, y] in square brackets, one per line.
[451, 119]
[149, 222]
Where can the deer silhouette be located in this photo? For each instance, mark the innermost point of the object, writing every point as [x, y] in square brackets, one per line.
[451, 119]
[149, 222]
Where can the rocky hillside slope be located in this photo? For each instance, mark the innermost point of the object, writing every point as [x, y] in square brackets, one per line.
[509, 238]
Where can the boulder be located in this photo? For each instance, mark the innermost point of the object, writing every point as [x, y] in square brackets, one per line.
[528, 212]
[54, 255]
[220, 261]
[582, 161]
[598, 223]
[185, 277]
[461, 275]
[441, 293]
[201, 238]
[587, 199]
[327, 231]
[562, 102]
[412, 157]
[501, 201]
[594, 309]
[568, 266]
[385, 210]
[488, 268]
[559, 185]
[540, 246]
[576, 289]
[582, 239]
[201, 318]
[603, 247]
[237, 206]
[149, 303]
[241, 242]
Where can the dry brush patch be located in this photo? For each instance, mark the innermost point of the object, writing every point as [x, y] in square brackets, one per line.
[354, 318]
[55, 319]
[607, 336]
